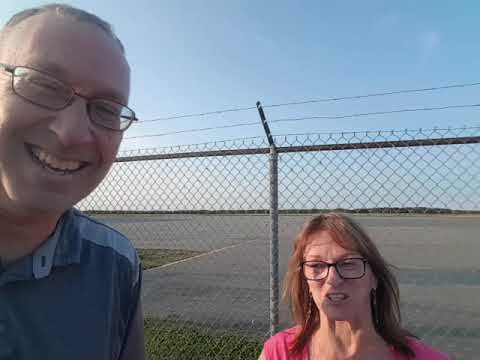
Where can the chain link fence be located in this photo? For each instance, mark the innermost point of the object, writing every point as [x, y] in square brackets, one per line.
[416, 192]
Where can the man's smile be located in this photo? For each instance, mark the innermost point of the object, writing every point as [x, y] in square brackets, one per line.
[54, 163]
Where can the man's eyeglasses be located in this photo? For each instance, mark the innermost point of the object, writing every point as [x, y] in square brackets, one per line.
[350, 268]
[47, 92]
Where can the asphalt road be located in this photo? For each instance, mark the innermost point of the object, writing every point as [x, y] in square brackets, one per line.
[438, 260]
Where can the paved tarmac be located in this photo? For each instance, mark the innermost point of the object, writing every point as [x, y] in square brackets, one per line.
[438, 260]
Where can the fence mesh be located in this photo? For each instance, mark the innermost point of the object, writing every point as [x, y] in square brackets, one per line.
[204, 208]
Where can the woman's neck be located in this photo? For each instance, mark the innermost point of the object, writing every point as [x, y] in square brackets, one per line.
[341, 340]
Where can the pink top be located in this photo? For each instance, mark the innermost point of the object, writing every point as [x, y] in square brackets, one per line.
[276, 348]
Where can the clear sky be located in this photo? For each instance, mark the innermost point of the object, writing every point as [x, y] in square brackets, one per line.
[198, 56]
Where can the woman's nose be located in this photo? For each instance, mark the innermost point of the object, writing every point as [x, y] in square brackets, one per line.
[333, 276]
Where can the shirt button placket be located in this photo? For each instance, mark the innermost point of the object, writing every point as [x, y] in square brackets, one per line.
[6, 348]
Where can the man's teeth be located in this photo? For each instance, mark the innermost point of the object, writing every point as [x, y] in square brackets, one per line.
[56, 163]
[337, 297]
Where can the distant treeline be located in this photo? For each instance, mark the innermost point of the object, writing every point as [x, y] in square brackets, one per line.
[379, 210]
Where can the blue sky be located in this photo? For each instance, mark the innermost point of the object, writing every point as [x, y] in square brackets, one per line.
[197, 56]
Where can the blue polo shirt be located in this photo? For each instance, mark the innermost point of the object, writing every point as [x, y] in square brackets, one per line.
[73, 298]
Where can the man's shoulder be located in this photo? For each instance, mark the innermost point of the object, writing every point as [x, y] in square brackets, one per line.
[98, 235]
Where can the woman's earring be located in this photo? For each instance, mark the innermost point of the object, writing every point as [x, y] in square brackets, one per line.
[373, 304]
[310, 305]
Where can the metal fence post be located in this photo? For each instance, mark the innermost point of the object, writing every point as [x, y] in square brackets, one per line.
[274, 254]
[274, 276]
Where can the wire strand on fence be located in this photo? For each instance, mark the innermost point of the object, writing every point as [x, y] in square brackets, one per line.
[217, 112]
[394, 92]
[192, 130]
[336, 117]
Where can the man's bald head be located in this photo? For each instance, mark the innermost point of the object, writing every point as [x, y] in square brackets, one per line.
[60, 10]
[49, 56]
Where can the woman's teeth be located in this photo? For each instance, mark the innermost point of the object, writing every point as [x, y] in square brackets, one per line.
[337, 297]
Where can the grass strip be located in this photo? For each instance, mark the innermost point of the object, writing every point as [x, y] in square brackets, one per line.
[168, 341]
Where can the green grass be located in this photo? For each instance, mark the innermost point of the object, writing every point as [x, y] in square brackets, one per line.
[173, 341]
[152, 258]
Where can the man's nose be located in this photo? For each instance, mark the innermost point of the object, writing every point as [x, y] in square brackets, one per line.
[72, 125]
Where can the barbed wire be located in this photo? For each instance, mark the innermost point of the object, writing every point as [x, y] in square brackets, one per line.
[332, 117]
[367, 132]
[310, 138]
[312, 133]
[302, 102]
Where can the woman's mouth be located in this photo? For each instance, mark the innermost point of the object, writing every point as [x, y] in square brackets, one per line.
[337, 298]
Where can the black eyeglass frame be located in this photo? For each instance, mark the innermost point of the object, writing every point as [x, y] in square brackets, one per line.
[11, 70]
[335, 265]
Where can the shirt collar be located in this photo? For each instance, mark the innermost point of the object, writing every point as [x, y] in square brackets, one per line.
[62, 248]
[42, 258]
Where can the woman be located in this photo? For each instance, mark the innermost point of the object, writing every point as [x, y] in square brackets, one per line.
[344, 299]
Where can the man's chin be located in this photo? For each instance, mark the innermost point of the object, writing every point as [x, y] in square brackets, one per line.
[44, 206]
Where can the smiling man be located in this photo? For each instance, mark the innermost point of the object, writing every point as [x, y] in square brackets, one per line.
[69, 286]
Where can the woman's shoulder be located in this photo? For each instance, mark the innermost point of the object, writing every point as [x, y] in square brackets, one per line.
[284, 337]
[277, 346]
[424, 351]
